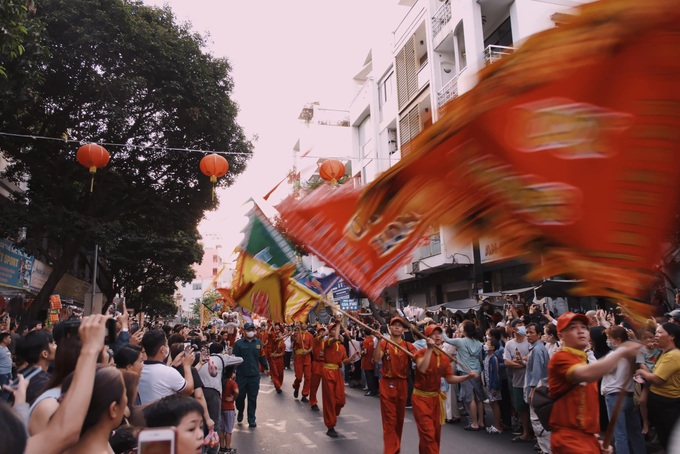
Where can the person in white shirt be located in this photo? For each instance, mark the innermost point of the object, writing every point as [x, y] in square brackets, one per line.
[158, 379]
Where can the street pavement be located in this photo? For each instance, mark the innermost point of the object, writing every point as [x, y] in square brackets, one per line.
[287, 426]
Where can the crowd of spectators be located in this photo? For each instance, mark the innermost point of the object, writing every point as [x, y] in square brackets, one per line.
[199, 380]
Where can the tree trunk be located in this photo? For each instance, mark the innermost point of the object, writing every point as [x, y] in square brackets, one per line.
[42, 300]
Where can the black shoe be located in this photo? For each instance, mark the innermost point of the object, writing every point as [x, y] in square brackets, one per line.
[332, 433]
[315, 408]
[252, 424]
[296, 393]
[278, 391]
[304, 399]
[239, 418]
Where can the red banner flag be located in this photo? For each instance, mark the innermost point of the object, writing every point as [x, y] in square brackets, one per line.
[566, 149]
[368, 261]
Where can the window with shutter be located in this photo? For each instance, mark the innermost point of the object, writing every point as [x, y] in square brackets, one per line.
[407, 72]
[409, 127]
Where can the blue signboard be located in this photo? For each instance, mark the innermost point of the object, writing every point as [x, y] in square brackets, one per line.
[340, 291]
[15, 266]
[349, 305]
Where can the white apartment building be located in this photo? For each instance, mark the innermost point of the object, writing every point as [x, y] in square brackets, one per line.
[433, 55]
[324, 134]
[206, 271]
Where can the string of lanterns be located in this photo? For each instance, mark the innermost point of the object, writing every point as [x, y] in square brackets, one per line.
[94, 156]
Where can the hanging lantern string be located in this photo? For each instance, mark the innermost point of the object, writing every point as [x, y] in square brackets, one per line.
[123, 145]
[184, 150]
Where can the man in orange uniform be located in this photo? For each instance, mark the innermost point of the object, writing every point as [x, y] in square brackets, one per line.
[427, 399]
[302, 346]
[575, 416]
[277, 350]
[332, 381]
[396, 366]
[317, 366]
[367, 366]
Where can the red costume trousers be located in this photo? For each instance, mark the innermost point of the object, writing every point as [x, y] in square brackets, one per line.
[393, 395]
[317, 371]
[569, 441]
[303, 370]
[333, 395]
[276, 371]
[427, 413]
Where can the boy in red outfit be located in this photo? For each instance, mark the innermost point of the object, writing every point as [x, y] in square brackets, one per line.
[228, 413]
[427, 399]
[332, 381]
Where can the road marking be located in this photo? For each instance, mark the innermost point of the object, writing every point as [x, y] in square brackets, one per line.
[305, 441]
[280, 426]
[267, 391]
[357, 418]
[305, 423]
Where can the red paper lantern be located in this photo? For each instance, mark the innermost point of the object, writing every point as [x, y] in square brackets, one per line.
[214, 166]
[93, 157]
[332, 170]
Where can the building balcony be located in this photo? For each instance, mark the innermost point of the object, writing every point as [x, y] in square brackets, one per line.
[448, 92]
[493, 53]
[441, 18]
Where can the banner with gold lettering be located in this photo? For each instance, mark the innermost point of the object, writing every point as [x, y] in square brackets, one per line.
[368, 261]
[566, 150]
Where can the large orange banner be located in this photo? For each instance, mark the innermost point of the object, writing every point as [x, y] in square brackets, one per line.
[567, 150]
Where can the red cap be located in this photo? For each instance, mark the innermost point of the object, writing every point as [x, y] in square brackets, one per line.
[429, 329]
[399, 320]
[565, 319]
[332, 326]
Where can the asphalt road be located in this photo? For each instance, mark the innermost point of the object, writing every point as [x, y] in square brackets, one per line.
[287, 426]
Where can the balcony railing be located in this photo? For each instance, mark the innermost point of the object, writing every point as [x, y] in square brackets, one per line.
[441, 18]
[493, 53]
[448, 92]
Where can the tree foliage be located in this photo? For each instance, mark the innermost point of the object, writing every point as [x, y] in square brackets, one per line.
[119, 72]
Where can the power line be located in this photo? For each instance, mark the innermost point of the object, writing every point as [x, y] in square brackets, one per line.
[122, 145]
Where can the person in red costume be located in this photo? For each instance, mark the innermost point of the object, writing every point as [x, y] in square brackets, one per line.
[431, 366]
[317, 366]
[332, 381]
[277, 350]
[302, 346]
[393, 384]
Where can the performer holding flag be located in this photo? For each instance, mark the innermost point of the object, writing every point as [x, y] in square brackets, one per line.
[332, 381]
[427, 399]
[317, 366]
[302, 346]
[393, 384]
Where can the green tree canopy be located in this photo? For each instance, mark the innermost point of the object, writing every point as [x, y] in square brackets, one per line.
[116, 71]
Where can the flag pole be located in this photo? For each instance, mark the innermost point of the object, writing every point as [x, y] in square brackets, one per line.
[360, 323]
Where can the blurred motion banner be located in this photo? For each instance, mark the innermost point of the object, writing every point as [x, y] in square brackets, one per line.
[568, 150]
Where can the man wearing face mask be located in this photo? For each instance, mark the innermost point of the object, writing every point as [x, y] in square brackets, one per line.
[248, 372]
[515, 356]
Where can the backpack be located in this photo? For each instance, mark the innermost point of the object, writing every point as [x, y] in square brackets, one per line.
[543, 404]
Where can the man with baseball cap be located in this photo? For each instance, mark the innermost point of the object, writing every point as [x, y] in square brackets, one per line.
[250, 349]
[674, 316]
[575, 416]
[431, 366]
[393, 386]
